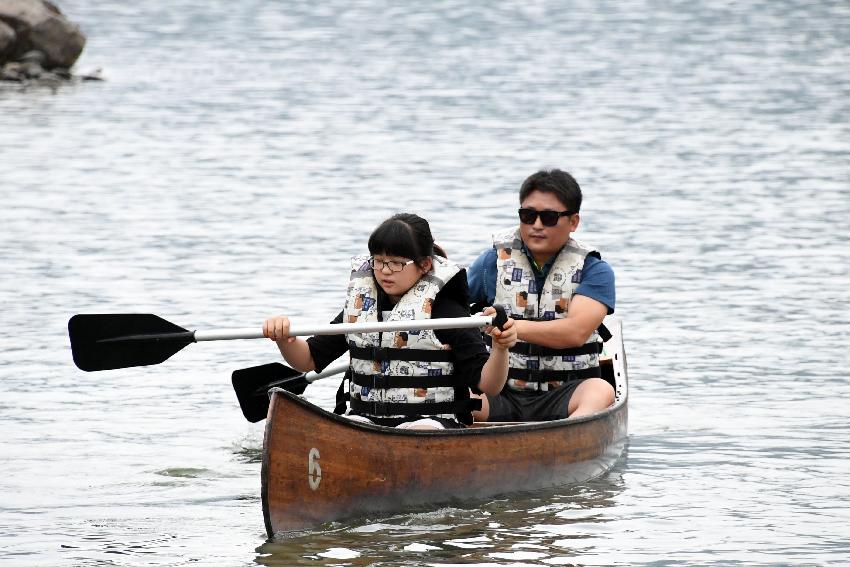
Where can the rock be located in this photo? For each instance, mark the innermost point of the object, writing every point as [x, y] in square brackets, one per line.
[39, 25]
[34, 55]
[12, 72]
[7, 39]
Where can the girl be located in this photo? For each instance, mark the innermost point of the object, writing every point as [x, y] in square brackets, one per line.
[415, 379]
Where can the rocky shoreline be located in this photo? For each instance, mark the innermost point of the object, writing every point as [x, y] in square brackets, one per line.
[38, 43]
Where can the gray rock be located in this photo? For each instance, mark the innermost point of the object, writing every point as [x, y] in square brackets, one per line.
[8, 37]
[40, 25]
[12, 72]
[33, 55]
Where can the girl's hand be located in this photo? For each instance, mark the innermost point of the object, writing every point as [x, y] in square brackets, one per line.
[277, 329]
[504, 338]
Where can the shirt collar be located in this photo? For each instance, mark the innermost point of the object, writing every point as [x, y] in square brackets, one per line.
[537, 268]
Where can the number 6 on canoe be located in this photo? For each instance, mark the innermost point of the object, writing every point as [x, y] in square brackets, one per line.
[106, 342]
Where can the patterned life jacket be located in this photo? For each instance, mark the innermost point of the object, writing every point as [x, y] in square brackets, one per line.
[535, 367]
[404, 373]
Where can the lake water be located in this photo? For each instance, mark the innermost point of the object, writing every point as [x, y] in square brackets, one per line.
[238, 153]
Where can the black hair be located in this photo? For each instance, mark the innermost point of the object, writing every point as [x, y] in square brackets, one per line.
[406, 235]
[559, 183]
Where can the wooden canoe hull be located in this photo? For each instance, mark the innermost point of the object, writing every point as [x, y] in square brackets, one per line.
[319, 467]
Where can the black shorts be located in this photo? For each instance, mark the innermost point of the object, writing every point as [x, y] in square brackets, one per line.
[532, 405]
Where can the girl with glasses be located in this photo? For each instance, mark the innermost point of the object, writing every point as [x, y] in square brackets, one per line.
[415, 379]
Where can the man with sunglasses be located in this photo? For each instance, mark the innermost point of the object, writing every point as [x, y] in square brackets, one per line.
[558, 291]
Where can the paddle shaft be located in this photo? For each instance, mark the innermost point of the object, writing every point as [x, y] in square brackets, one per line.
[122, 340]
[345, 328]
[329, 371]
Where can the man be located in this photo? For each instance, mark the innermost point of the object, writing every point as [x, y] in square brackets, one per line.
[558, 290]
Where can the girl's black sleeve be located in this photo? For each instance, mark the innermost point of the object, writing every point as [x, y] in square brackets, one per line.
[467, 344]
[327, 348]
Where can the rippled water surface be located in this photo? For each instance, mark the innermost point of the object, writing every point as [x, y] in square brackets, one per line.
[239, 153]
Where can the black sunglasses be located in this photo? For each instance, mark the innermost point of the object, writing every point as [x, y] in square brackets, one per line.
[548, 218]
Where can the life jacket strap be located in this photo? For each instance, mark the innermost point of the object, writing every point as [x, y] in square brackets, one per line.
[553, 375]
[530, 349]
[382, 354]
[342, 394]
[382, 382]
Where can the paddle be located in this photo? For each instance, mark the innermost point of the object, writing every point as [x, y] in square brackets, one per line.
[253, 384]
[106, 342]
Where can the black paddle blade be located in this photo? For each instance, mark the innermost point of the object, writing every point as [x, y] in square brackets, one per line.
[252, 387]
[105, 342]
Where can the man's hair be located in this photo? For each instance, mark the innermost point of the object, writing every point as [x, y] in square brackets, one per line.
[559, 183]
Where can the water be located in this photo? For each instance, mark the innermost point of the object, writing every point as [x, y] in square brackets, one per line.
[238, 154]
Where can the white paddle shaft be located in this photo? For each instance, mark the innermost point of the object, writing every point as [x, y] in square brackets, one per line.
[329, 371]
[345, 328]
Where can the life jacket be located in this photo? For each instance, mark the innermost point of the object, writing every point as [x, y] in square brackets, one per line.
[535, 367]
[403, 373]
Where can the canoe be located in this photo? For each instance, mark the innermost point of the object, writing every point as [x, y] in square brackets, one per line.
[320, 467]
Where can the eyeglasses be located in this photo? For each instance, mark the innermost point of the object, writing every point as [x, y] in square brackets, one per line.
[393, 265]
[548, 218]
